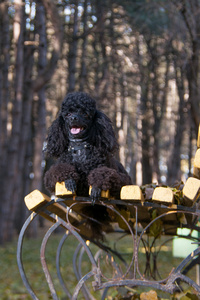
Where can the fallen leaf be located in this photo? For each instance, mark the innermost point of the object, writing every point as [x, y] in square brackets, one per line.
[151, 295]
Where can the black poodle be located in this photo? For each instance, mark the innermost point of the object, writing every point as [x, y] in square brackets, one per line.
[83, 141]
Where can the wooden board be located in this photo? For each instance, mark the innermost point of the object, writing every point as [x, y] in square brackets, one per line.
[36, 200]
[196, 173]
[197, 159]
[131, 192]
[163, 195]
[104, 194]
[198, 138]
[191, 191]
[61, 190]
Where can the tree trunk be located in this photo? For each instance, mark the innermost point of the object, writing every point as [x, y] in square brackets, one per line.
[55, 19]
[83, 72]
[158, 112]
[16, 179]
[40, 103]
[146, 151]
[4, 89]
[174, 164]
[145, 117]
[190, 14]
[39, 110]
[12, 160]
[193, 84]
[72, 56]
[4, 96]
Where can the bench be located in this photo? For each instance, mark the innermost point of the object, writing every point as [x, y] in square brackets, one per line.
[144, 214]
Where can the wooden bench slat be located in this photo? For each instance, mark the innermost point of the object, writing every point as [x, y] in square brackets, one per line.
[196, 172]
[191, 190]
[62, 191]
[163, 194]
[35, 200]
[197, 159]
[131, 192]
[198, 138]
[104, 194]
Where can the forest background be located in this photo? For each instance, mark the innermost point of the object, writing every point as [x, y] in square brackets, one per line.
[138, 59]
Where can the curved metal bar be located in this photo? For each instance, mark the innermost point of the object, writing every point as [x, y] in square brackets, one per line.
[85, 290]
[95, 270]
[81, 240]
[58, 265]
[97, 254]
[131, 232]
[19, 255]
[156, 255]
[119, 278]
[74, 261]
[178, 275]
[115, 267]
[43, 260]
[80, 284]
[125, 221]
[187, 259]
[194, 262]
[44, 265]
[77, 271]
[103, 296]
[105, 291]
[136, 282]
[145, 229]
[149, 254]
[187, 280]
[74, 232]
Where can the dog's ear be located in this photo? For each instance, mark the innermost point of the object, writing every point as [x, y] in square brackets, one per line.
[103, 133]
[57, 140]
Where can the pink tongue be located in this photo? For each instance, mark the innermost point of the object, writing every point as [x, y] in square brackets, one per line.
[75, 130]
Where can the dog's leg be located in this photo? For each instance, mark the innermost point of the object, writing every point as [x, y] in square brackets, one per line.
[70, 185]
[95, 194]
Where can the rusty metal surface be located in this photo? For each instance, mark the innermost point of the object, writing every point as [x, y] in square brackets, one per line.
[124, 272]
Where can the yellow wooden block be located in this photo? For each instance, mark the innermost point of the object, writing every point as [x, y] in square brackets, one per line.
[104, 194]
[36, 200]
[191, 190]
[197, 159]
[62, 191]
[198, 138]
[131, 192]
[163, 194]
[196, 172]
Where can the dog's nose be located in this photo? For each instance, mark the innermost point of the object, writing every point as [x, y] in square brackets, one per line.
[74, 117]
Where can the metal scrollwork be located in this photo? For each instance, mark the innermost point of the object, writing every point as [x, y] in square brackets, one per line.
[125, 268]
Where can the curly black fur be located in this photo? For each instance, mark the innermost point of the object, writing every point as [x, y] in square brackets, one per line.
[83, 141]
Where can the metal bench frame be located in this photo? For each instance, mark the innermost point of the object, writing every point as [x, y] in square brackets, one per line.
[100, 282]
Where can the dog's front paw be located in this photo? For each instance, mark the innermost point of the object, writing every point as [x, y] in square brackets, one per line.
[95, 194]
[70, 185]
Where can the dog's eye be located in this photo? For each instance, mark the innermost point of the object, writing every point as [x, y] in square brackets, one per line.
[85, 115]
[68, 114]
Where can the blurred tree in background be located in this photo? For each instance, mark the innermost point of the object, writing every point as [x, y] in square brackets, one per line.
[138, 59]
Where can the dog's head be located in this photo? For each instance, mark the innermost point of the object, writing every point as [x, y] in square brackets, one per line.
[79, 119]
[78, 111]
